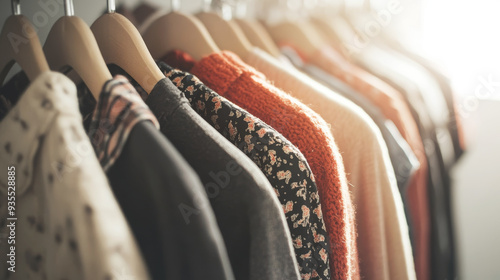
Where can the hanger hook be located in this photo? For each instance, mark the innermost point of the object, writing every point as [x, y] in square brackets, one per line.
[16, 7]
[111, 6]
[68, 8]
[175, 5]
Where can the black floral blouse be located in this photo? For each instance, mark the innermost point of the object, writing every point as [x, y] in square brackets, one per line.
[284, 166]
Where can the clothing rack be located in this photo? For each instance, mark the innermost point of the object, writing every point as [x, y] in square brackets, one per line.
[208, 146]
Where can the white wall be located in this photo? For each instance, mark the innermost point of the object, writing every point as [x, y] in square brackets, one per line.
[476, 196]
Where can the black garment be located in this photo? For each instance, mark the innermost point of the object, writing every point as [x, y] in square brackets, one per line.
[248, 213]
[11, 91]
[152, 183]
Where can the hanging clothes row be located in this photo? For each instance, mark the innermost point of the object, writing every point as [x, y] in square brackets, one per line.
[177, 146]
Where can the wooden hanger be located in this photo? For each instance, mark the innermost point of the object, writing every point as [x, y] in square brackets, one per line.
[177, 31]
[301, 35]
[71, 43]
[326, 30]
[257, 34]
[19, 43]
[226, 34]
[121, 44]
[336, 30]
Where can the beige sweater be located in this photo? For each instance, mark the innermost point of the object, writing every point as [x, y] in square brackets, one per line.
[383, 241]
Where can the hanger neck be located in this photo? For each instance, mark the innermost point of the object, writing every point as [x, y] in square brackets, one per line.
[19, 43]
[178, 31]
[70, 43]
[258, 36]
[120, 43]
[226, 34]
[300, 35]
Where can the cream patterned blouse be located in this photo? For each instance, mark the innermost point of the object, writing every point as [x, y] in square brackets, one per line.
[68, 224]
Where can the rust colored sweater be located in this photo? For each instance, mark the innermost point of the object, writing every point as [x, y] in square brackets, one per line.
[225, 73]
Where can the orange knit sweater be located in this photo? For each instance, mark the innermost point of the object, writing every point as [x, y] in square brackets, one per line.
[230, 77]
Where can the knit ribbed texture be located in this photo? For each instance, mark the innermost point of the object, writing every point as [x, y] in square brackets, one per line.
[230, 77]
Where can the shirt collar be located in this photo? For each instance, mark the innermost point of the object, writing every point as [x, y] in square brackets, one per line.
[118, 110]
[51, 95]
[164, 100]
